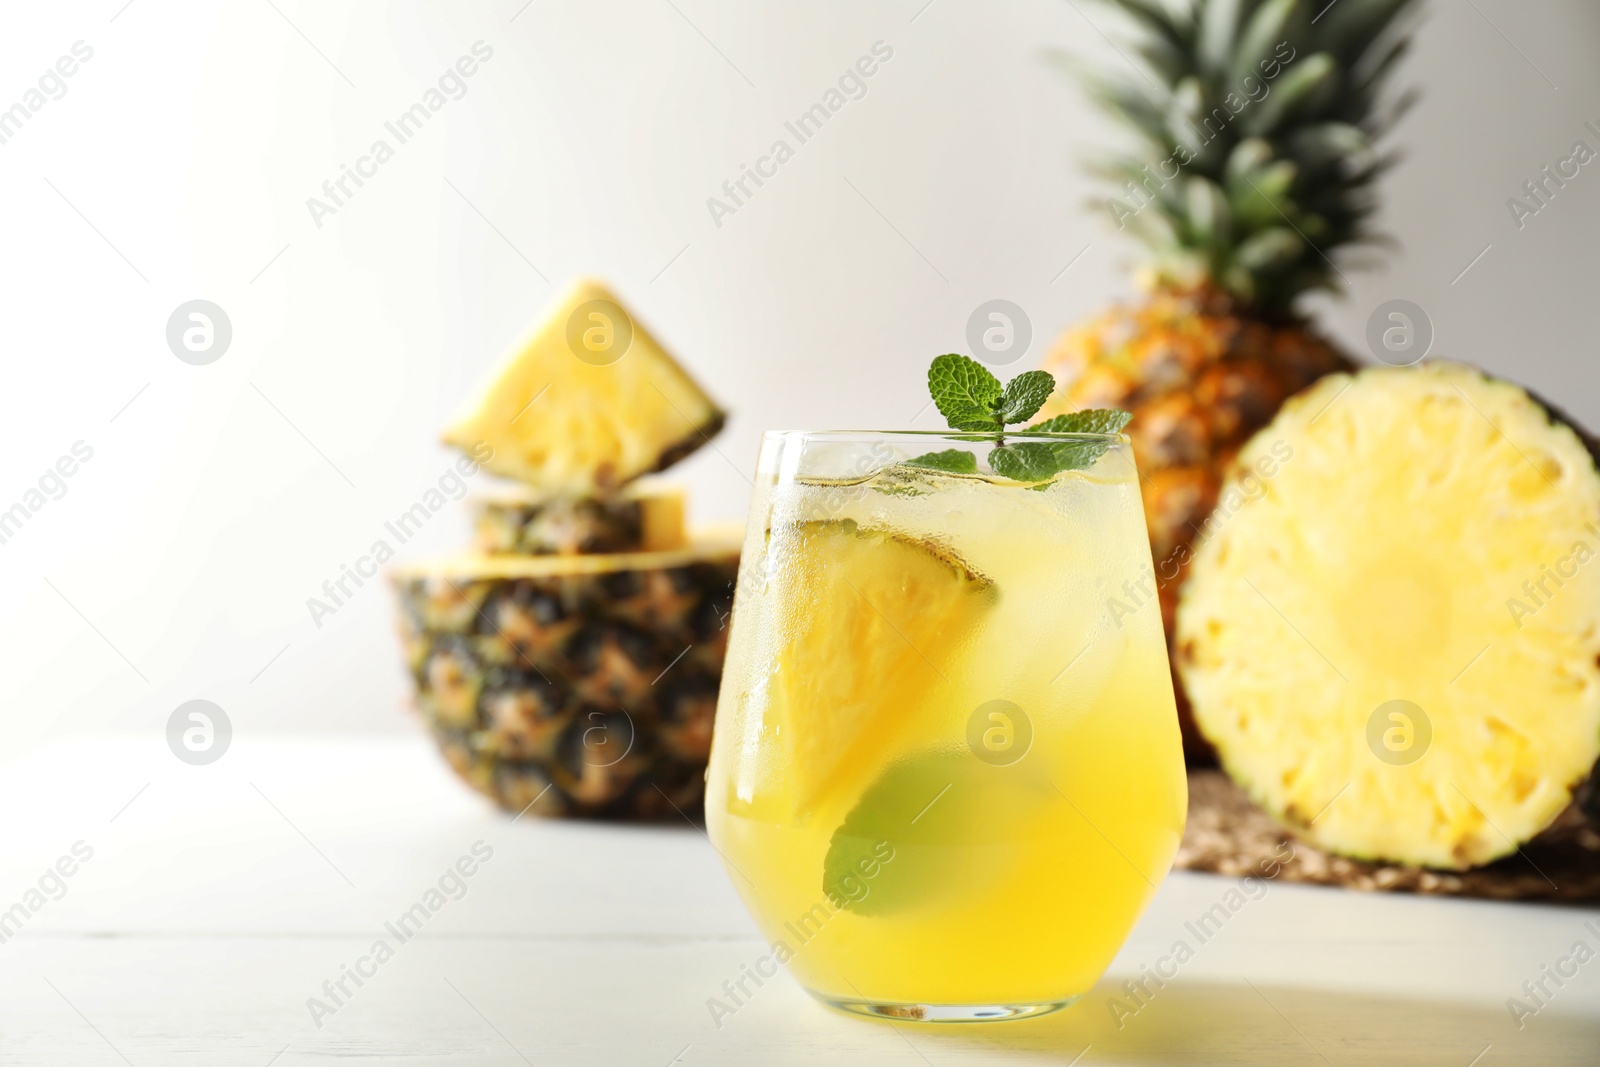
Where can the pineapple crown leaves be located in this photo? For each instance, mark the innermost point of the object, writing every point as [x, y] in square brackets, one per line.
[972, 400]
[1257, 124]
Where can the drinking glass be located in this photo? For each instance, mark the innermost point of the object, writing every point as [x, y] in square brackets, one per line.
[946, 776]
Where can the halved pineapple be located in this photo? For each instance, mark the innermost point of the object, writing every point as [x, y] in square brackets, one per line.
[875, 618]
[1390, 635]
[581, 685]
[587, 402]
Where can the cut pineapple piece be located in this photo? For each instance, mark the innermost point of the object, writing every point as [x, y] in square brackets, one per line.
[875, 619]
[1392, 639]
[581, 685]
[587, 402]
[640, 518]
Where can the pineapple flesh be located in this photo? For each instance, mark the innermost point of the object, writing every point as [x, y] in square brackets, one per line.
[1392, 641]
[570, 665]
[848, 681]
[1254, 153]
[587, 402]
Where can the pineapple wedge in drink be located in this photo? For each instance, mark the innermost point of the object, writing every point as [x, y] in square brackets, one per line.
[927, 802]
[843, 682]
[1393, 645]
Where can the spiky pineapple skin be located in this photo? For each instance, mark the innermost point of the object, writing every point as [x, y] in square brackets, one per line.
[1201, 377]
[581, 689]
[541, 525]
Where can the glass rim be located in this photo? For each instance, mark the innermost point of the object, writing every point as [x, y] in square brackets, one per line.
[963, 436]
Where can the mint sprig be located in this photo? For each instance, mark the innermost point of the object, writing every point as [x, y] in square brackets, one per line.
[972, 400]
[911, 840]
[884, 859]
[951, 460]
[1025, 395]
[1094, 420]
[965, 393]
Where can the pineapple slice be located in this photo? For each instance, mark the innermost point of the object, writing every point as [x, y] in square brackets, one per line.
[1390, 635]
[587, 402]
[640, 518]
[875, 618]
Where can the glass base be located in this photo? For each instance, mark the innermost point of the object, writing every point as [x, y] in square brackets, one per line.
[946, 1013]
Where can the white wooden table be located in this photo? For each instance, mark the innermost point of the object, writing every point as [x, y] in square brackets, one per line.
[219, 899]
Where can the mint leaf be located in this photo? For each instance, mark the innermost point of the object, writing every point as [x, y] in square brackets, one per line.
[1039, 461]
[1030, 461]
[1094, 420]
[873, 866]
[915, 835]
[964, 391]
[954, 460]
[972, 400]
[1025, 394]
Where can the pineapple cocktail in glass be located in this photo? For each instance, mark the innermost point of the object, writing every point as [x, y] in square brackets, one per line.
[946, 775]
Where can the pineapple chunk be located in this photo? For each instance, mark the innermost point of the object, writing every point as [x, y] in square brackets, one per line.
[640, 518]
[1392, 639]
[864, 615]
[585, 683]
[587, 402]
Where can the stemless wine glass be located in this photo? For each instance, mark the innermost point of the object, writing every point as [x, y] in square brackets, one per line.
[946, 776]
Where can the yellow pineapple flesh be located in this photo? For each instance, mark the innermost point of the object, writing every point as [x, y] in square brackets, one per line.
[1393, 641]
[863, 612]
[587, 402]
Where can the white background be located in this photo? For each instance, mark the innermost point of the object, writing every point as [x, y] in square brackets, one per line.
[178, 164]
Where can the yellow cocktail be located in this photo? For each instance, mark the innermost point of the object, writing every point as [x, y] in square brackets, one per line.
[947, 774]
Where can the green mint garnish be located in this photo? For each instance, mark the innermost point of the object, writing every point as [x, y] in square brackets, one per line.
[916, 835]
[1025, 395]
[1034, 461]
[1095, 420]
[953, 460]
[886, 855]
[972, 400]
[966, 394]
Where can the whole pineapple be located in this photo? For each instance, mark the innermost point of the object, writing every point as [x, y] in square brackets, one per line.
[1256, 125]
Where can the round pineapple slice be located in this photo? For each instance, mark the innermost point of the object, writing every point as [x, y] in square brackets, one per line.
[1390, 633]
[873, 620]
